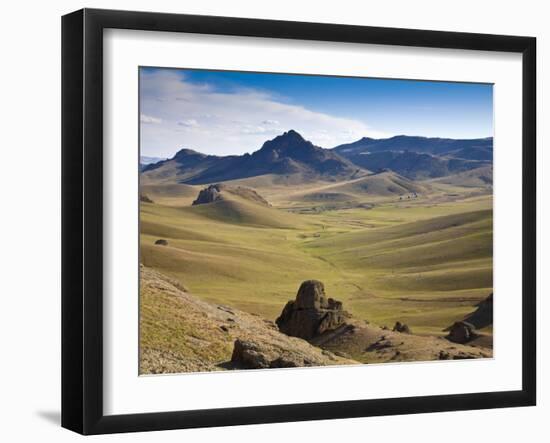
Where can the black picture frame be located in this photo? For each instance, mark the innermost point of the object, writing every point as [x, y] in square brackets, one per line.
[82, 218]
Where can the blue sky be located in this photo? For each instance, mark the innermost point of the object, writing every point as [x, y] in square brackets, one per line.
[235, 112]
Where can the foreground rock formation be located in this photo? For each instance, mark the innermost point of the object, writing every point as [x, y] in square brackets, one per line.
[312, 313]
[323, 322]
[181, 333]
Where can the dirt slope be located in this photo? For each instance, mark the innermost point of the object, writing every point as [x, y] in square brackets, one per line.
[372, 344]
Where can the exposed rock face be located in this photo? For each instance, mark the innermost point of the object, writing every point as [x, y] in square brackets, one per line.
[483, 315]
[161, 242]
[312, 313]
[401, 327]
[462, 332]
[209, 194]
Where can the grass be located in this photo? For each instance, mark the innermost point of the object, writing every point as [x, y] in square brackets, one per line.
[425, 261]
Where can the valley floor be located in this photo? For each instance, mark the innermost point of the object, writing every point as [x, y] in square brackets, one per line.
[423, 258]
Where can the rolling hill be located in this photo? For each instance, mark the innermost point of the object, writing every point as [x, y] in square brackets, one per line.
[382, 184]
[391, 246]
[242, 206]
[479, 177]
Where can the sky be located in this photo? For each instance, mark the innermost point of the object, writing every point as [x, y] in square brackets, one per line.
[224, 112]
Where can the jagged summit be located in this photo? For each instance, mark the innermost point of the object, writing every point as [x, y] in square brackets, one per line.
[184, 152]
[288, 140]
[286, 154]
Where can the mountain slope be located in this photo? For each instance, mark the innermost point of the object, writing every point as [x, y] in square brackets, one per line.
[413, 143]
[183, 167]
[479, 177]
[287, 154]
[413, 164]
[419, 157]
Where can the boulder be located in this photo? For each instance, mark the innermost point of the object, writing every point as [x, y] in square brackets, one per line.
[161, 242]
[462, 332]
[401, 327]
[248, 355]
[257, 354]
[144, 198]
[312, 313]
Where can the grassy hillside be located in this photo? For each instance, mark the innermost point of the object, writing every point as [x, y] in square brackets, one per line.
[426, 261]
[173, 194]
[480, 177]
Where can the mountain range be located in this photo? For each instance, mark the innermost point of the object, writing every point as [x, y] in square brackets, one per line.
[419, 157]
[289, 154]
[286, 154]
[145, 160]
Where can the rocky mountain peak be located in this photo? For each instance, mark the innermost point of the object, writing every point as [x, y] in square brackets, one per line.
[287, 141]
[186, 152]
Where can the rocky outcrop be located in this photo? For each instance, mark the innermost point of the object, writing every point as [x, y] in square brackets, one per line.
[312, 313]
[219, 191]
[209, 194]
[462, 332]
[369, 343]
[205, 336]
[483, 315]
[161, 242]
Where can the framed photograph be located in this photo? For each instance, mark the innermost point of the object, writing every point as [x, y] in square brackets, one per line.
[268, 221]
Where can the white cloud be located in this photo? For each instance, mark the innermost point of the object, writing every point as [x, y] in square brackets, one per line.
[147, 119]
[190, 123]
[199, 117]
